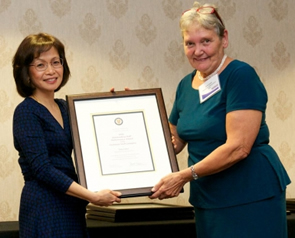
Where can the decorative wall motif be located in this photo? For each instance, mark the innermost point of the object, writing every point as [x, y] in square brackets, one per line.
[137, 43]
[6, 213]
[146, 31]
[278, 9]
[117, 8]
[92, 81]
[174, 57]
[287, 154]
[118, 57]
[281, 56]
[88, 30]
[6, 107]
[148, 79]
[5, 52]
[228, 8]
[60, 7]
[4, 5]
[253, 31]
[7, 165]
[283, 106]
[29, 23]
[172, 8]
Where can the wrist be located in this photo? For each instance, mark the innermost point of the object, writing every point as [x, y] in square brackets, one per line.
[91, 196]
[193, 172]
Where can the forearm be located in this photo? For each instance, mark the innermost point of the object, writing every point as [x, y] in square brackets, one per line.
[103, 197]
[220, 159]
[242, 128]
[79, 191]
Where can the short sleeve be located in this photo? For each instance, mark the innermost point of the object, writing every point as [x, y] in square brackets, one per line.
[244, 90]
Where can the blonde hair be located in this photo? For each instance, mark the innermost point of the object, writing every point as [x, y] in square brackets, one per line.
[208, 21]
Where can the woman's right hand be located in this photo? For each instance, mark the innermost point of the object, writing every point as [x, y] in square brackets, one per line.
[177, 142]
[106, 197]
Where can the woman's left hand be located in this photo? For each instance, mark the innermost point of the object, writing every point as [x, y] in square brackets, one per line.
[169, 186]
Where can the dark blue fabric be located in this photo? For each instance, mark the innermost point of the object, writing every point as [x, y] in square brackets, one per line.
[45, 150]
[202, 125]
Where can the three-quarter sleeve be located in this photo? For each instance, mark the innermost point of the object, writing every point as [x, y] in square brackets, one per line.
[30, 134]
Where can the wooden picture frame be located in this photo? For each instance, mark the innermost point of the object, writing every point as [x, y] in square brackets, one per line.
[121, 140]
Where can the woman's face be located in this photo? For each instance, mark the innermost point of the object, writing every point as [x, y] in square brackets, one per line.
[47, 80]
[204, 48]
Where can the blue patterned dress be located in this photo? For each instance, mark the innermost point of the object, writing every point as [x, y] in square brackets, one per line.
[45, 150]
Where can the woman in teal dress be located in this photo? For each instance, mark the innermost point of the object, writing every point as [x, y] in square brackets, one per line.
[53, 203]
[237, 182]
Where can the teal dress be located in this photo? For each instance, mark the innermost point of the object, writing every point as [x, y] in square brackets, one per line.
[202, 125]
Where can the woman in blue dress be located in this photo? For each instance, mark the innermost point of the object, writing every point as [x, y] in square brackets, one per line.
[53, 204]
[237, 182]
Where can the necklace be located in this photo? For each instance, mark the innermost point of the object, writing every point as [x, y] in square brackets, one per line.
[215, 72]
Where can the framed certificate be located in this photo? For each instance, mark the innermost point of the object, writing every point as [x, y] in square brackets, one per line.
[121, 140]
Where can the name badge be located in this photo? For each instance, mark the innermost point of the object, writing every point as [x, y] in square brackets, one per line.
[209, 88]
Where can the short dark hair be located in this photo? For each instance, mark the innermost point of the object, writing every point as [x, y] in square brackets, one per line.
[30, 48]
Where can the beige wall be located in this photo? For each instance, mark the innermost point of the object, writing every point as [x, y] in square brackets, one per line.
[136, 43]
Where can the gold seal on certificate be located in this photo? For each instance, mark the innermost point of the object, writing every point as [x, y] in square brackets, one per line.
[119, 121]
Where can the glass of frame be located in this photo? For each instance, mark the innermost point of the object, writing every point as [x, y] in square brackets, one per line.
[121, 140]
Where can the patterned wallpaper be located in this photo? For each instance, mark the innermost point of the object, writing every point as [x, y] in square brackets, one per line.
[137, 43]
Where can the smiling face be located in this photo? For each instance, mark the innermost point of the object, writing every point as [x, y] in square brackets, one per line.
[50, 79]
[204, 48]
